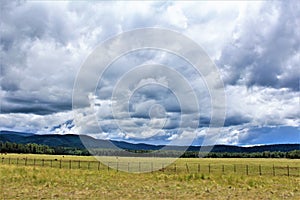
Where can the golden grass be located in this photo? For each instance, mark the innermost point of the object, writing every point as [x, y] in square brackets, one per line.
[29, 182]
[49, 183]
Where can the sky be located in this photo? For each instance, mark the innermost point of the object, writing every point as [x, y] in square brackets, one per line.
[254, 45]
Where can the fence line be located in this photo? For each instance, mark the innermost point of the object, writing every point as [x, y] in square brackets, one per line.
[243, 169]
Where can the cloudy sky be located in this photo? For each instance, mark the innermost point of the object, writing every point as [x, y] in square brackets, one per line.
[255, 46]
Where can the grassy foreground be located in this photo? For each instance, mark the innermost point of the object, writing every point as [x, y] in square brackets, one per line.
[28, 182]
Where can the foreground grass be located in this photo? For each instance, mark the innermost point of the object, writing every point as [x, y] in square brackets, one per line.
[18, 182]
[44, 182]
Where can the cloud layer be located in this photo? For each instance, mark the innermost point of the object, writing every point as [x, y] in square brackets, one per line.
[256, 47]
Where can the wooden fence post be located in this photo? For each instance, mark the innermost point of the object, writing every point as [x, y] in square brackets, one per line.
[78, 164]
[187, 168]
[288, 170]
[152, 167]
[198, 167]
[209, 168]
[139, 166]
[34, 162]
[234, 168]
[259, 168]
[70, 164]
[273, 170]
[223, 169]
[60, 164]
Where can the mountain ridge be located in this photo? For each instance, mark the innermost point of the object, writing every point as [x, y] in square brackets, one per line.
[83, 141]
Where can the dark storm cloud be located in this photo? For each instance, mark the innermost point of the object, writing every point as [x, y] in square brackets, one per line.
[236, 120]
[34, 58]
[37, 106]
[204, 122]
[265, 48]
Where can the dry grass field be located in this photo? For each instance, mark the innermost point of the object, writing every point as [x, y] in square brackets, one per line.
[44, 182]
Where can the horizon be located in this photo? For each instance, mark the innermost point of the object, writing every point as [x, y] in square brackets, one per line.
[254, 47]
[153, 144]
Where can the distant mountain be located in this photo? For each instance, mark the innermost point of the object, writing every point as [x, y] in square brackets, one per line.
[16, 133]
[11, 136]
[71, 140]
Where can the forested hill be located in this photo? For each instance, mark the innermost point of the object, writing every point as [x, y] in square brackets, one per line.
[74, 141]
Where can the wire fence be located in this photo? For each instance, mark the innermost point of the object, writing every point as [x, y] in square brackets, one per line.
[204, 168]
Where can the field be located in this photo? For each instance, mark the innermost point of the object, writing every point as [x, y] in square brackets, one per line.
[214, 179]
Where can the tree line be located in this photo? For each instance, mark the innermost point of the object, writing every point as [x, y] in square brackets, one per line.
[8, 147]
[295, 154]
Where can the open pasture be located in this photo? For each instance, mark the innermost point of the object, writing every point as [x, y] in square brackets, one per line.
[226, 178]
[245, 166]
